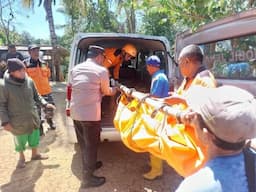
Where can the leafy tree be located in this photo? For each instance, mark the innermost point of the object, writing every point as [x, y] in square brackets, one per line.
[194, 13]
[157, 22]
[5, 20]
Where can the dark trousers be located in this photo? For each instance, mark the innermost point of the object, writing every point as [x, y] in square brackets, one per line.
[48, 112]
[88, 136]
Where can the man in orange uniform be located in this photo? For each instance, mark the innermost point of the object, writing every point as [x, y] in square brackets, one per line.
[39, 71]
[192, 69]
[195, 73]
[115, 57]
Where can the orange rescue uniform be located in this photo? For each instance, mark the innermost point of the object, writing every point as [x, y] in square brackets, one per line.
[40, 75]
[203, 78]
[113, 60]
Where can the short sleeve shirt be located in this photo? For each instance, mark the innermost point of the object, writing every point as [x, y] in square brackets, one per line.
[159, 85]
[222, 174]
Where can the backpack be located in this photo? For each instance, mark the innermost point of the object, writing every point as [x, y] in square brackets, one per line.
[250, 167]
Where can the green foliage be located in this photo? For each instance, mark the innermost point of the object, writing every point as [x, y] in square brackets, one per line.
[2, 37]
[155, 17]
[158, 23]
[194, 13]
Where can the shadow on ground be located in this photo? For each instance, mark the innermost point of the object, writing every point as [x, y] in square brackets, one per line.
[28, 176]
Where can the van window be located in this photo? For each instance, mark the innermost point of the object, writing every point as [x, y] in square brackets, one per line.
[232, 58]
[80, 56]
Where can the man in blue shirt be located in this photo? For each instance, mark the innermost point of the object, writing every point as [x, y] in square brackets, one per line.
[224, 118]
[159, 88]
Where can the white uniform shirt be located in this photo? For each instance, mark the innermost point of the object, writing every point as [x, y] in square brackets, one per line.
[89, 81]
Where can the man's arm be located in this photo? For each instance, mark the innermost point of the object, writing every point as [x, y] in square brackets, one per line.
[39, 99]
[4, 109]
[104, 84]
[3, 104]
[116, 71]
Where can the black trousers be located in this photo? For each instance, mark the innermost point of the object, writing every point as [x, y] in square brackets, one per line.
[48, 112]
[88, 136]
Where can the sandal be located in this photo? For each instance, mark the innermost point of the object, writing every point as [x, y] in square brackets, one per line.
[21, 164]
[39, 157]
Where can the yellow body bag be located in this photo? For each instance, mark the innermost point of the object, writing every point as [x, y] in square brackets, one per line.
[158, 134]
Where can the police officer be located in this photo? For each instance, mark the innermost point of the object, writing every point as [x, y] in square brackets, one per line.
[39, 71]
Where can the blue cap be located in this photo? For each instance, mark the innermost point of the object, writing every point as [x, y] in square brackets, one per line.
[153, 61]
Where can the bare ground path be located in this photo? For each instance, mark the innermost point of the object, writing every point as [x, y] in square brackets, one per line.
[62, 171]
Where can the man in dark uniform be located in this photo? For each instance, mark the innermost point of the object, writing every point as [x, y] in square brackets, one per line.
[12, 53]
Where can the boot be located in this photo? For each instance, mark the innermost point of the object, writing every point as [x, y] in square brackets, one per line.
[51, 124]
[156, 168]
[92, 181]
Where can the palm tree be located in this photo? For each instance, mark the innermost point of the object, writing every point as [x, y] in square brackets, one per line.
[49, 17]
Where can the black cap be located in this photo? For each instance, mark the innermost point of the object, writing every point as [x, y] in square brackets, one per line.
[94, 51]
[14, 64]
[33, 46]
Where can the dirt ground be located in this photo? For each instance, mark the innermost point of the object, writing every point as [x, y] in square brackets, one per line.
[62, 171]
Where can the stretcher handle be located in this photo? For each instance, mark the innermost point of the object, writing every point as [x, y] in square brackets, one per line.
[153, 102]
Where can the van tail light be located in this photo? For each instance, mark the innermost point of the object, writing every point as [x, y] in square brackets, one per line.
[69, 91]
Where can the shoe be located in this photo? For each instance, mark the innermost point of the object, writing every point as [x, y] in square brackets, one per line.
[21, 164]
[39, 157]
[93, 181]
[51, 124]
[98, 165]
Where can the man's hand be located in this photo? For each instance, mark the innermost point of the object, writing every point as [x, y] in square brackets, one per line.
[50, 106]
[175, 99]
[8, 127]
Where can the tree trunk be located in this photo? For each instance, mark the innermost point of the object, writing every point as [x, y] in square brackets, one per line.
[55, 62]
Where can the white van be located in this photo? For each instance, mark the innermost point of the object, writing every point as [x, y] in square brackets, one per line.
[132, 75]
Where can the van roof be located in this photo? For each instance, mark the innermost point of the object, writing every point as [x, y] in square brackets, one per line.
[140, 41]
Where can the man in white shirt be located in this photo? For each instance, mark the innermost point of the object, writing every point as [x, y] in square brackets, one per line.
[89, 82]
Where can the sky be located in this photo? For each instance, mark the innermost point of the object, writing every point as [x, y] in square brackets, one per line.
[35, 23]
